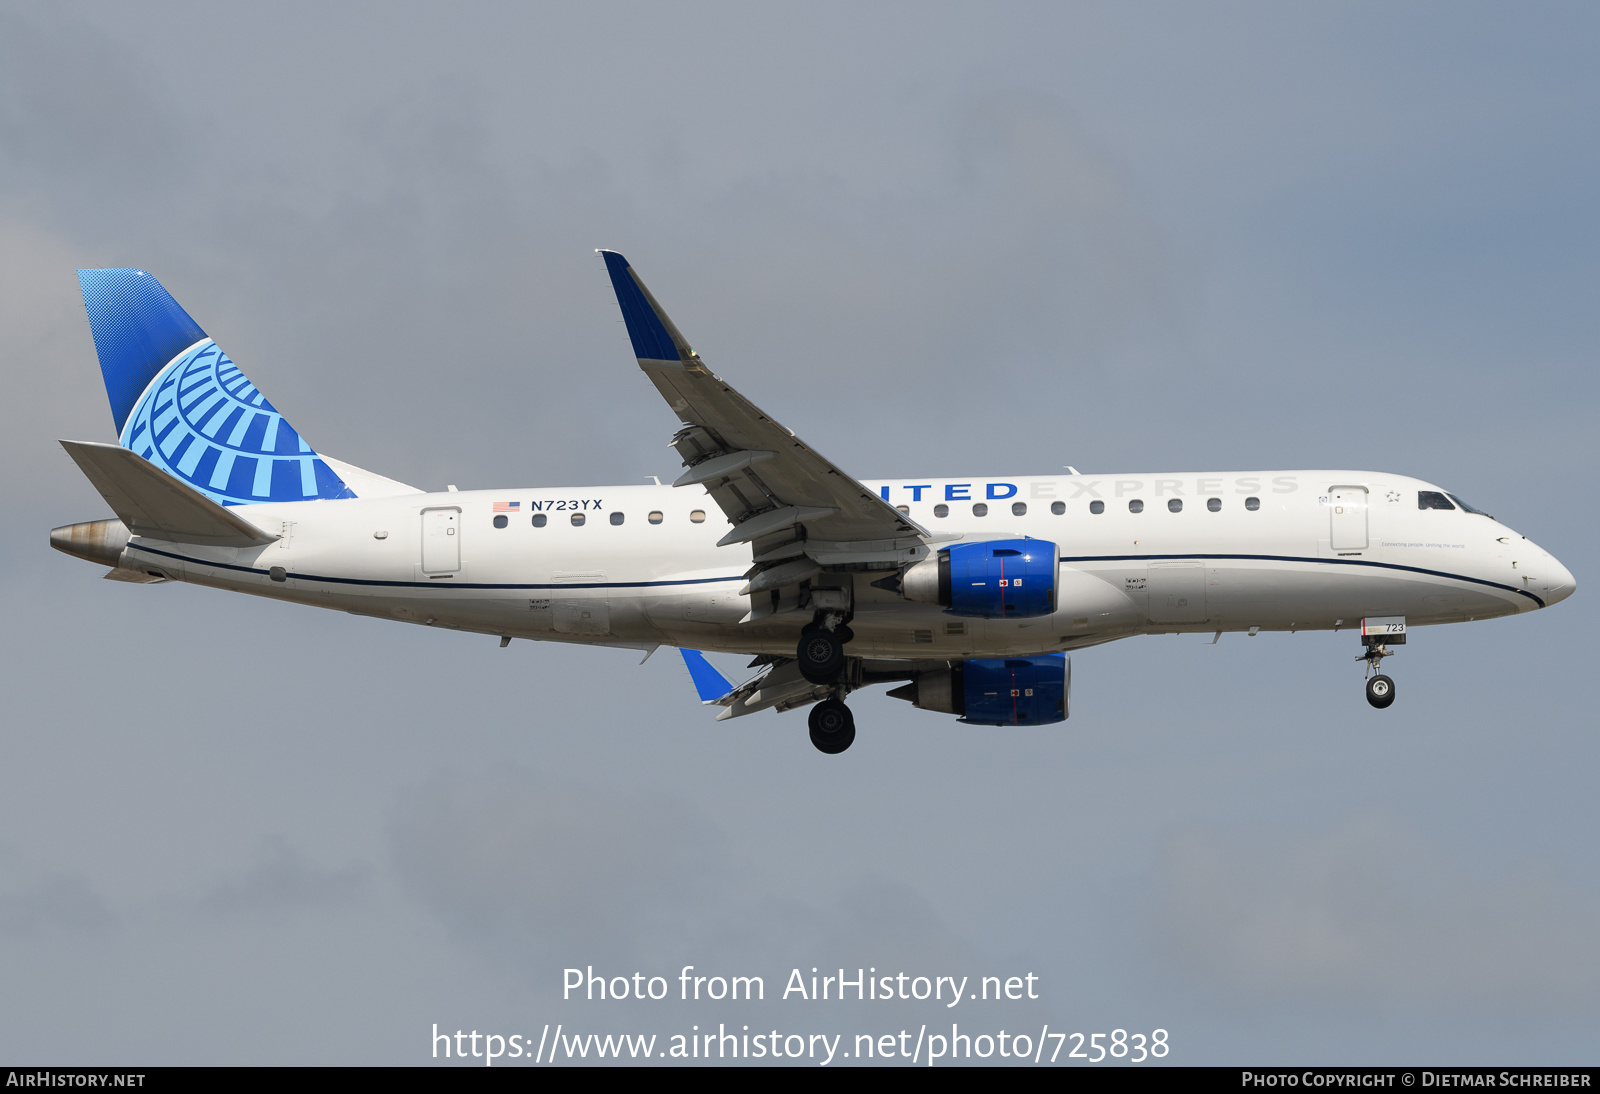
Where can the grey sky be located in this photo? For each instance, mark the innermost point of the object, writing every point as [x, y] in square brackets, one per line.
[986, 239]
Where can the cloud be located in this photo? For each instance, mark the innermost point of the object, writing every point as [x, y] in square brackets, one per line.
[1374, 913]
[281, 880]
[53, 384]
[514, 862]
[80, 125]
[536, 873]
[62, 904]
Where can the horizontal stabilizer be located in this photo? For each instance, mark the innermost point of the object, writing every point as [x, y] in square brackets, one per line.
[153, 503]
[708, 682]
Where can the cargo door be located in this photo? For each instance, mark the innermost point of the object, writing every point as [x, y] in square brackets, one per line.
[1347, 513]
[441, 541]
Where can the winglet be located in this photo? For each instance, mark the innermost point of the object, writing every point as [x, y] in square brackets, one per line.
[653, 335]
[708, 682]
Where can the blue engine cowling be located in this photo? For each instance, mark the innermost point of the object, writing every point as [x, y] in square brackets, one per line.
[1010, 691]
[999, 579]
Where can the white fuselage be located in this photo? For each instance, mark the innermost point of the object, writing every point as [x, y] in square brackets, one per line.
[1322, 550]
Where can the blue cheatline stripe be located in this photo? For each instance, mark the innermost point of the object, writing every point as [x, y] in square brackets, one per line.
[1316, 561]
[709, 684]
[435, 584]
[645, 329]
[740, 577]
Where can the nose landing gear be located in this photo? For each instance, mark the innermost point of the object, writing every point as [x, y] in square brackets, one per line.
[1380, 689]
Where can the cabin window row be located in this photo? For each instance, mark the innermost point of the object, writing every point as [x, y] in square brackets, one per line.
[1135, 505]
[655, 516]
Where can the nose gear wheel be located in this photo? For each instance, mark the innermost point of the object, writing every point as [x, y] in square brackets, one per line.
[1380, 691]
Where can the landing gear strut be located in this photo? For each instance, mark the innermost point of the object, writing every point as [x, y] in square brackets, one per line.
[833, 727]
[1380, 689]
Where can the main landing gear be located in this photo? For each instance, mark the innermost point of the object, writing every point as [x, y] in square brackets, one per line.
[1380, 689]
[833, 727]
[821, 660]
[821, 656]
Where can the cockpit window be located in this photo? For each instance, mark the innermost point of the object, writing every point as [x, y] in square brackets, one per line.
[1432, 499]
[1467, 507]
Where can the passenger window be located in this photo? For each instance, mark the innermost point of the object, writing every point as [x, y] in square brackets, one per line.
[1432, 499]
[617, 518]
[906, 509]
[1252, 504]
[1136, 506]
[941, 511]
[655, 517]
[578, 519]
[1019, 508]
[698, 516]
[1214, 504]
[1097, 507]
[539, 520]
[980, 510]
[501, 521]
[1058, 507]
[1175, 505]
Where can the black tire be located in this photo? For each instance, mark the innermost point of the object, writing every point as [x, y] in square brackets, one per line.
[821, 656]
[833, 727]
[1380, 691]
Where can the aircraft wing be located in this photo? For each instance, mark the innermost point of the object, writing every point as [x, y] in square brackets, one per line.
[780, 494]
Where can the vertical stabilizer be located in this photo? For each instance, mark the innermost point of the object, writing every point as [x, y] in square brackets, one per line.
[179, 402]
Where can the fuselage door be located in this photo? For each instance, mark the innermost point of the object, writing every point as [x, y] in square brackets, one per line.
[1347, 512]
[441, 541]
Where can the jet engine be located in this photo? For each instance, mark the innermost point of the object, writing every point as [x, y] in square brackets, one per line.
[1010, 691]
[994, 579]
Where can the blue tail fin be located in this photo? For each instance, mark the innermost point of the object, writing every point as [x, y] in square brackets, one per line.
[179, 402]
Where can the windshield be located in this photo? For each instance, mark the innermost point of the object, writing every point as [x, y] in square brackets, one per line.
[1469, 508]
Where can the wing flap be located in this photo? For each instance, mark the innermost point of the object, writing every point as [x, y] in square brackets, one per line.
[781, 686]
[153, 503]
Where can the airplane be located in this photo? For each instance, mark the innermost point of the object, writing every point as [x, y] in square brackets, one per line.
[969, 593]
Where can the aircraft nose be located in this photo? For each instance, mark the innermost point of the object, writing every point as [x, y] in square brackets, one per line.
[1560, 584]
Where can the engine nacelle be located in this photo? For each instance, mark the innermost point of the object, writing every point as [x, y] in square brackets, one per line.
[1011, 691]
[994, 579]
